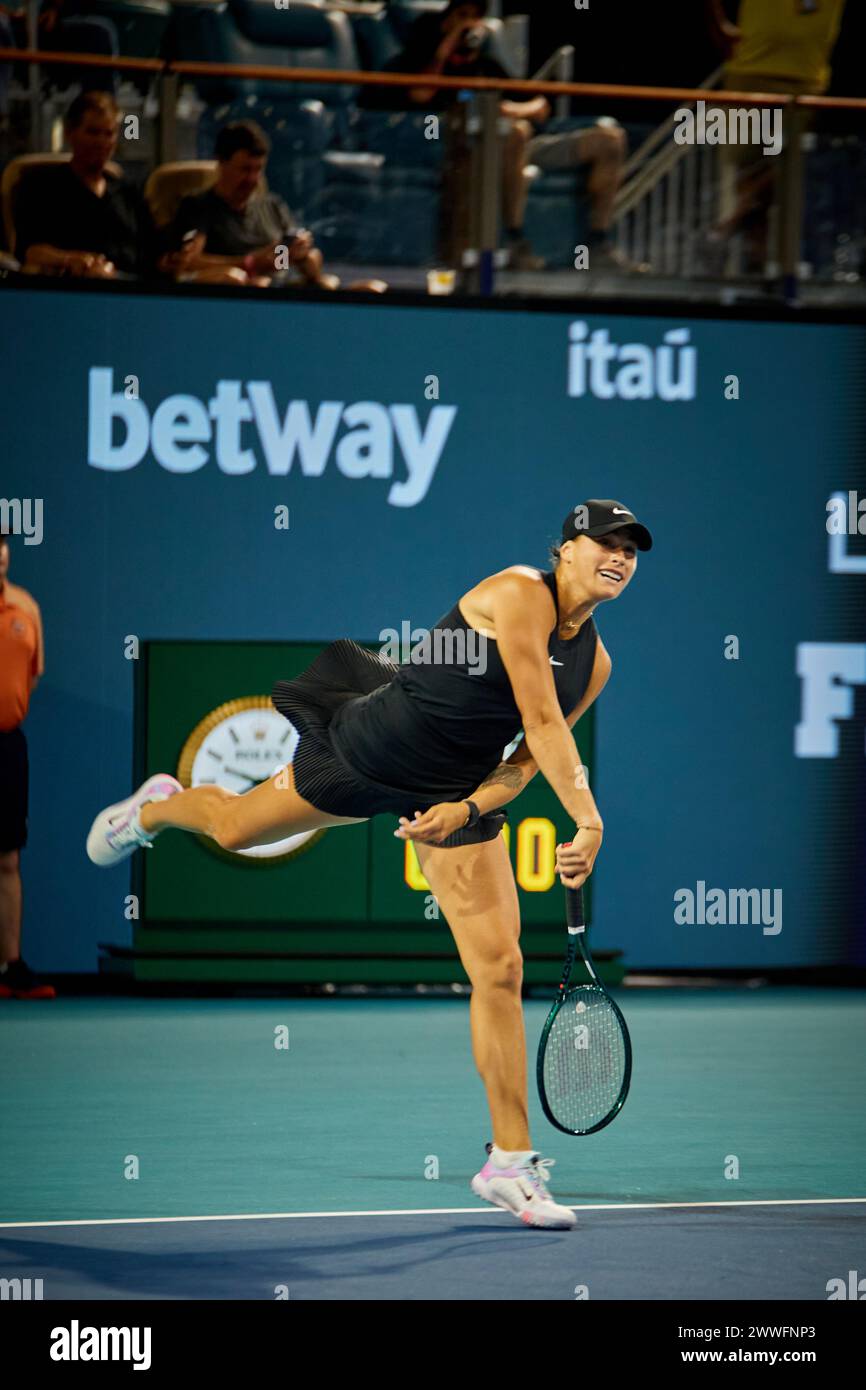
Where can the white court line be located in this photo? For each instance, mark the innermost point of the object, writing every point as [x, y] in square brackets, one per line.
[432, 1211]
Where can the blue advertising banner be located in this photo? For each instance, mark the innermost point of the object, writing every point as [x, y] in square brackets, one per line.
[240, 469]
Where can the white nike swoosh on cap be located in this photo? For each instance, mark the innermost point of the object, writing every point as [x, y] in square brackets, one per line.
[556, 663]
[620, 511]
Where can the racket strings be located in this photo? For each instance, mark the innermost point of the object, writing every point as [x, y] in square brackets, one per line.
[584, 1059]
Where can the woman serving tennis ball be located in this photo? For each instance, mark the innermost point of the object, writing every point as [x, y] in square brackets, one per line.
[424, 741]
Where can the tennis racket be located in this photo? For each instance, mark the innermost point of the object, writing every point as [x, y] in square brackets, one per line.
[584, 1057]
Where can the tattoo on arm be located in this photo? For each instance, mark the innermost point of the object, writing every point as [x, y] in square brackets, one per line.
[506, 774]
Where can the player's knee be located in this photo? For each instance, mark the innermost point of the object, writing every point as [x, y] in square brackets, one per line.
[9, 862]
[228, 836]
[228, 830]
[231, 836]
[504, 970]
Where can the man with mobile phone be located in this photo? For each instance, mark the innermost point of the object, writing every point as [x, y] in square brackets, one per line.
[234, 231]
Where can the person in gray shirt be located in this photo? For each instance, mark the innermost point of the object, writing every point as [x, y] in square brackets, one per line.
[235, 232]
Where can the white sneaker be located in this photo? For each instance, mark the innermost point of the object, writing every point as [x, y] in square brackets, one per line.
[522, 1189]
[116, 833]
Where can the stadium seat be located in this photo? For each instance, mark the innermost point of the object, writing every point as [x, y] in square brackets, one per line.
[403, 13]
[408, 207]
[129, 28]
[348, 218]
[169, 184]
[141, 25]
[375, 39]
[412, 215]
[556, 219]
[256, 32]
[399, 136]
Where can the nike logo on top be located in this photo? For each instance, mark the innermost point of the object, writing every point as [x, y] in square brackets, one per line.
[619, 511]
[556, 663]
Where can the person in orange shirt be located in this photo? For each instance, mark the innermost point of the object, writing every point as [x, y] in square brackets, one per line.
[22, 662]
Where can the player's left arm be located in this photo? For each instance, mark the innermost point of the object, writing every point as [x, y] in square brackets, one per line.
[509, 778]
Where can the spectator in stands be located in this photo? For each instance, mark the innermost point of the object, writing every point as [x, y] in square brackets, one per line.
[771, 48]
[236, 232]
[22, 662]
[80, 218]
[454, 43]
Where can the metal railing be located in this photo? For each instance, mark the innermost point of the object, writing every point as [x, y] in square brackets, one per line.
[560, 63]
[660, 190]
[673, 194]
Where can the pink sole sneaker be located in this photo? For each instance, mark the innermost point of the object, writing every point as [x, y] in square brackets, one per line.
[116, 833]
[522, 1190]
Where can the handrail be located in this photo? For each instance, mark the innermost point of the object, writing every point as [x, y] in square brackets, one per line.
[351, 78]
[525, 86]
[353, 7]
[81, 60]
[555, 58]
[832, 103]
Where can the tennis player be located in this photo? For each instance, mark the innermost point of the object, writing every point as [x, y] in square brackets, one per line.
[424, 741]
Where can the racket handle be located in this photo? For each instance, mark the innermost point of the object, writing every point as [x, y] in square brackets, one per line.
[574, 905]
[574, 909]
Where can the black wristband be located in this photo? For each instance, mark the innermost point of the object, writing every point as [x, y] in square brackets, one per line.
[474, 814]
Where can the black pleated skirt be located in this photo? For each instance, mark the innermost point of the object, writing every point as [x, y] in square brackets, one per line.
[343, 671]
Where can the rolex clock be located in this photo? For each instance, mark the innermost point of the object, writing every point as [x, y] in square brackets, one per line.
[239, 745]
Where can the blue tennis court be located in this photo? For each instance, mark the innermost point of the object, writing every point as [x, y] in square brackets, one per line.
[163, 1148]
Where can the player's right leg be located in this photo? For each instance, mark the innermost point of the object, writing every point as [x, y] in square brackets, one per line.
[235, 821]
[474, 887]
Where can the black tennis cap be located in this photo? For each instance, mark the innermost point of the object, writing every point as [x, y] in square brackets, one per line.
[598, 516]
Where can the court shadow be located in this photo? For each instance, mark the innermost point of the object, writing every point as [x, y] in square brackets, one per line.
[234, 1264]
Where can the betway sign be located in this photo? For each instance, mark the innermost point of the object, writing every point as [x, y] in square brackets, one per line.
[241, 426]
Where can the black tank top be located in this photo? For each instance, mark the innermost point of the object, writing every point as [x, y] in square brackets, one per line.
[441, 724]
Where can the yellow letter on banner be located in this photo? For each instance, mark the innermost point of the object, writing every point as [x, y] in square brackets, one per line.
[536, 854]
[412, 874]
[412, 869]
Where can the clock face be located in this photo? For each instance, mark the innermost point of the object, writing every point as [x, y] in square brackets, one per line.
[239, 745]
